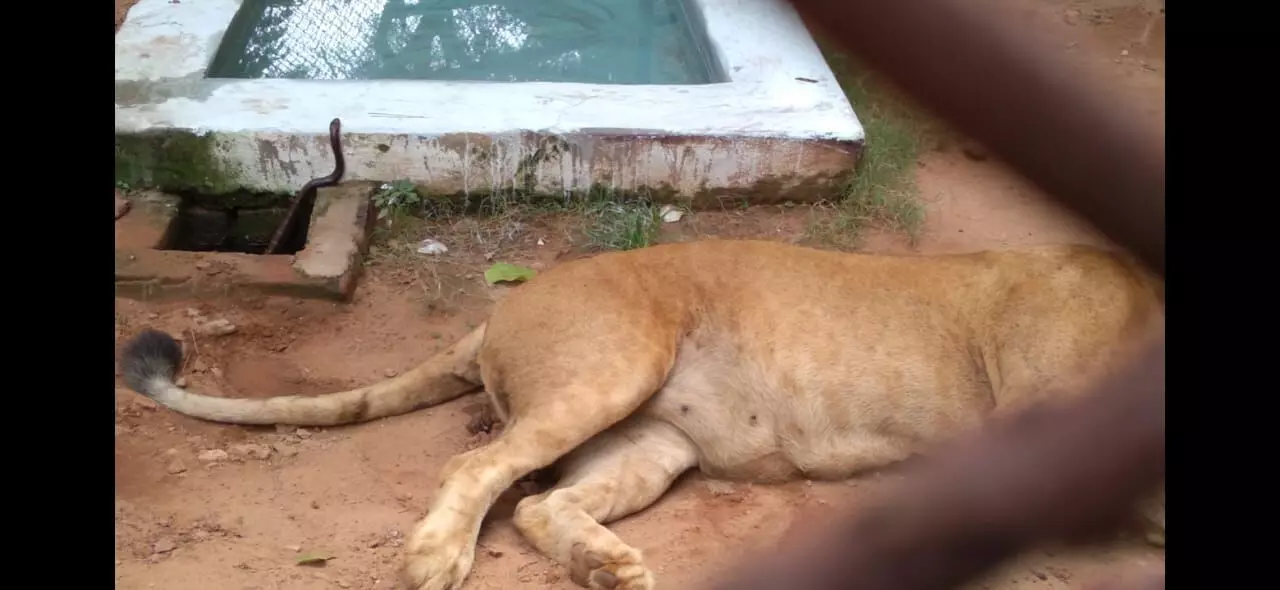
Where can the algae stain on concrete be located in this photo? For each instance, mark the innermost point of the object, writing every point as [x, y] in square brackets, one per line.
[174, 160]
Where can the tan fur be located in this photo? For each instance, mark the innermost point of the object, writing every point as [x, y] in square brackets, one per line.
[749, 360]
[436, 381]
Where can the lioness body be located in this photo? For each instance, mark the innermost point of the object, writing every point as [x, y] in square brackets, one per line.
[748, 360]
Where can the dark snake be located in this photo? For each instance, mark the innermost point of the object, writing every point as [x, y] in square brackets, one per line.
[308, 190]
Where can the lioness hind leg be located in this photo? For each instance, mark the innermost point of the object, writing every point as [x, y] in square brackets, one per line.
[441, 548]
[620, 472]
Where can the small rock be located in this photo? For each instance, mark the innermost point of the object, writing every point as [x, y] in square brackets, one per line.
[1124, 52]
[303, 433]
[164, 545]
[285, 429]
[145, 403]
[390, 373]
[1071, 17]
[213, 455]
[218, 327]
[670, 214]
[175, 467]
[430, 246]
[193, 312]
[153, 316]
[342, 583]
[493, 552]
[201, 265]
[200, 535]
[251, 451]
[180, 382]
[216, 372]
[285, 450]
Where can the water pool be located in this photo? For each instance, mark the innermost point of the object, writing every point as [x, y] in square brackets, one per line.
[585, 41]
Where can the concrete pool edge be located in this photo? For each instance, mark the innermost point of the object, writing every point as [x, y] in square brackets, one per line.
[327, 267]
[780, 130]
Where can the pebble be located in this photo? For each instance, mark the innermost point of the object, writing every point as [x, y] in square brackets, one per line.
[212, 455]
[218, 327]
[390, 373]
[251, 451]
[303, 433]
[284, 450]
[175, 467]
[164, 545]
[145, 403]
[180, 382]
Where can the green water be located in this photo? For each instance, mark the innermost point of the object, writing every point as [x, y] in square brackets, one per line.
[589, 41]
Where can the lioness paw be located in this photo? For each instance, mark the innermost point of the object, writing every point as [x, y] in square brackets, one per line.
[436, 567]
[624, 571]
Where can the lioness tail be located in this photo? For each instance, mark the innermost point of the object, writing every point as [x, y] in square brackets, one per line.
[151, 360]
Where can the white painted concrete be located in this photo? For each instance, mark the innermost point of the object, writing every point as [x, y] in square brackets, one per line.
[763, 124]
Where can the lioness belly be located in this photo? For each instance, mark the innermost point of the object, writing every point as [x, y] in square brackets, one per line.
[753, 429]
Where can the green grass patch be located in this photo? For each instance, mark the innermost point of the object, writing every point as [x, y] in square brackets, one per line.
[882, 192]
[612, 225]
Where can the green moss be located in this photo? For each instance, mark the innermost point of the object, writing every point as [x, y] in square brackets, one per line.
[173, 160]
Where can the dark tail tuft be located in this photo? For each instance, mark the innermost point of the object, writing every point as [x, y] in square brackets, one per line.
[149, 355]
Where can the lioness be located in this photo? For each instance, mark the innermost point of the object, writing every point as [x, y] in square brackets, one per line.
[749, 360]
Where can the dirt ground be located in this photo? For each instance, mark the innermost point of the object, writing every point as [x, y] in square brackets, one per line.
[204, 506]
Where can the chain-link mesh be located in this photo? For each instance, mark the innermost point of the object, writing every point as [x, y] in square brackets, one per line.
[325, 39]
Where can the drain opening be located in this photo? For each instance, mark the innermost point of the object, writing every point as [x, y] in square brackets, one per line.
[241, 223]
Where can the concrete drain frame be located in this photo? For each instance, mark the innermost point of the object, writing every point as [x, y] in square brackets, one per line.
[326, 267]
[779, 129]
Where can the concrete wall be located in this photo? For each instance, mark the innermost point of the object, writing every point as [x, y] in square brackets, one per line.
[780, 129]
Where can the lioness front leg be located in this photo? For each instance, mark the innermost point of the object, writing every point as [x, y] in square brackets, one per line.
[619, 472]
